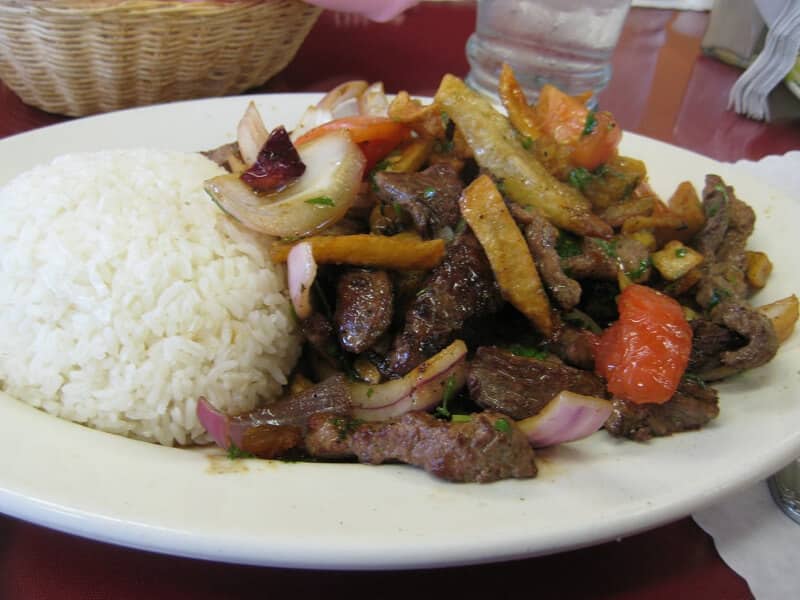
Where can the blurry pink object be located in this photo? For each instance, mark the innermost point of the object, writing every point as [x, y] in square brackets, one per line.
[375, 10]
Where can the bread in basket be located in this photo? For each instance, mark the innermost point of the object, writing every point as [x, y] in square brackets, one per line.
[78, 57]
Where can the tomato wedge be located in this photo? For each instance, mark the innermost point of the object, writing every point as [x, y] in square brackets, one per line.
[376, 136]
[644, 354]
[594, 136]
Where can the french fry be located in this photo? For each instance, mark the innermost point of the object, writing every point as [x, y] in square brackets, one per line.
[497, 148]
[675, 260]
[783, 314]
[686, 204]
[757, 268]
[402, 251]
[425, 119]
[520, 113]
[484, 209]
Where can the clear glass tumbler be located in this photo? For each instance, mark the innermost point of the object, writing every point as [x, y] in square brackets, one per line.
[567, 43]
[785, 488]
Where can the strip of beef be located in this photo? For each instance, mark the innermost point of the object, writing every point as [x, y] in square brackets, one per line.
[331, 395]
[521, 386]
[430, 197]
[542, 237]
[460, 287]
[575, 346]
[709, 341]
[757, 329]
[602, 259]
[722, 242]
[319, 333]
[722, 288]
[692, 406]
[364, 308]
[488, 447]
[222, 154]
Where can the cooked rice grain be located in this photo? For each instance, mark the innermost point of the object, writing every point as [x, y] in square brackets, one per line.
[125, 294]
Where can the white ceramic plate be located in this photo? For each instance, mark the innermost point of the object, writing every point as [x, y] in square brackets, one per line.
[198, 503]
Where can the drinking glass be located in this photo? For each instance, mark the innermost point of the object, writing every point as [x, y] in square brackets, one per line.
[785, 488]
[567, 43]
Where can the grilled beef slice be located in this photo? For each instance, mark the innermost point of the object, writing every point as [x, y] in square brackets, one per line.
[520, 386]
[460, 287]
[331, 395]
[692, 406]
[722, 288]
[364, 308]
[430, 197]
[488, 447]
[542, 237]
[601, 259]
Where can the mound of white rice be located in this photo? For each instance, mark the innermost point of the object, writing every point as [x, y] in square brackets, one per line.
[125, 294]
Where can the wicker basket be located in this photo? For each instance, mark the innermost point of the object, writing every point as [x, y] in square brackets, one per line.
[78, 57]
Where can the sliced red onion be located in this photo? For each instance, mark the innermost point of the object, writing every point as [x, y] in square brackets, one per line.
[331, 106]
[222, 429]
[373, 101]
[420, 389]
[567, 417]
[301, 270]
[349, 90]
[251, 134]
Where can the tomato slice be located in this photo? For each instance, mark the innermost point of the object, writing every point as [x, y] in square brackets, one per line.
[594, 137]
[644, 354]
[376, 136]
[596, 147]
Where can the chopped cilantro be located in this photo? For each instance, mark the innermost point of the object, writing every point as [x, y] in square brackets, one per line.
[579, 177]
[235, 452]
[527, 142]
[695, 378]
[591, 123]
[527, 351]
[447, 394]
[639, 271]
[609, 248]
[502, 426]
[717, 296]
[321, 201]
[345, 426]
[568, 244]
[443, 146]
[370, 392]
[681, 252]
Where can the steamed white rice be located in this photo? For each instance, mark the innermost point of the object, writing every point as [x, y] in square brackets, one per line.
[125, 294]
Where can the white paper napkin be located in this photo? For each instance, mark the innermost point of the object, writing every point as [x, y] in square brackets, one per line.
[750, 532]
[675, 4]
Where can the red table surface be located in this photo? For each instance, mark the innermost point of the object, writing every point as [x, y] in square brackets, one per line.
[662, 87]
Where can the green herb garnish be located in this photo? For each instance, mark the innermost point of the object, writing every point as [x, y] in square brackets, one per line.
[609, 248]
[579, 177]
[429, 193]
[235, 452]
[639, 271]
[502, 426]
[591, 123]
[321, 201]
[447, 394]
[461, 418]
[527, 142]
[527, 351]
[681, 252]
[568, 245]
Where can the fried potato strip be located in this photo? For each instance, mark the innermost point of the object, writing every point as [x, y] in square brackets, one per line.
[483, 208]
[498, 149]
[403, 251]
